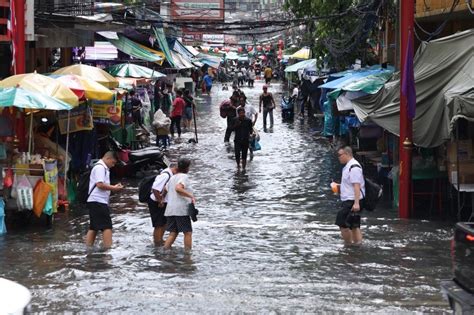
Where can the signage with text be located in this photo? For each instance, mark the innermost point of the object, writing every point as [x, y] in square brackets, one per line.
[197, 10]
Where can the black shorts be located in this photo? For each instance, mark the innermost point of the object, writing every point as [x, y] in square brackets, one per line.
[99, 216]
[347, 219]
[157, 214]
[179, 224]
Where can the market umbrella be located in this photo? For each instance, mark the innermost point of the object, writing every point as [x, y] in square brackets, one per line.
[41, 84]
[93, 73]
[130, 70]
[84, 87]
[22, 98]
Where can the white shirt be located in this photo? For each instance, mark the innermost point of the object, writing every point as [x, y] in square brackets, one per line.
[177, 204]
[251, 74]
[250, 111]
[100, 174]
[295, 92]
[160, 182]
[351, 177]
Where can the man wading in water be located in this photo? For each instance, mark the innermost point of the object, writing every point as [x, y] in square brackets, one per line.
[243, 128]
[351, 190]
[268, 105]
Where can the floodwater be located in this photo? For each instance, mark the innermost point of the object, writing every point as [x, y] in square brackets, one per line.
[265, 241]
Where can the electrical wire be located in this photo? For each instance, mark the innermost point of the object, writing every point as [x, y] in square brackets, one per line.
[440, 28]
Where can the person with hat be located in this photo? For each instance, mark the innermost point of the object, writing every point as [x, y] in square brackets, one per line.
[266, 99]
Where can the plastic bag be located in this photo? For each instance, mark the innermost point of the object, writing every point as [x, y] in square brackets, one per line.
[24, 193]
[3, 228]
[8, 178]
[48, 207]
[256, 145]
[41, 193]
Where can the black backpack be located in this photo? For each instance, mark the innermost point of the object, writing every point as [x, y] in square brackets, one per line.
[83, 193]
[145, 185]
[373, 192]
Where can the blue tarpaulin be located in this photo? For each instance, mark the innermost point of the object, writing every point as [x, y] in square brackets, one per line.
[350, 77]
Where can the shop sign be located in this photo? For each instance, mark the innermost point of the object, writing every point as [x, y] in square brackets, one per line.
[81, 119]
[213, 38]
[107, 112]
[197, 10]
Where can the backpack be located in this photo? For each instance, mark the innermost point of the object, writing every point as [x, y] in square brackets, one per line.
[145, 186]
[373, 192]
[83, 192]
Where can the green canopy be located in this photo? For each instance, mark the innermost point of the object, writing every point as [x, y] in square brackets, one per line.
[161, 39]
[370, 84]
[130, 70]
[133, 49]
[21, 98]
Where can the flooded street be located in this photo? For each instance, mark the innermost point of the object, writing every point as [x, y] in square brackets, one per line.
[265, 241]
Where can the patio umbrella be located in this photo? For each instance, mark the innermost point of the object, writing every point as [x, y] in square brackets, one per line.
[129, 70]
[22, 98]
[41, 84]
[84, 87]
[93, 73]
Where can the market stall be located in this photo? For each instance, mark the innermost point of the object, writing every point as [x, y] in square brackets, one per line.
[30, 179]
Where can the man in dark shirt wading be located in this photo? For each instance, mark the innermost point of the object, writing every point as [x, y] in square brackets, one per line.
[242, 127]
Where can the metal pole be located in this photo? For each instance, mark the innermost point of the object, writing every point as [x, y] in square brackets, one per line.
[406, 127]
[20, 36]
[30, 142]
[66, 166]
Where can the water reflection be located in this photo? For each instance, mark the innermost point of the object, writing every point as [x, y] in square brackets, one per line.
[264, 241]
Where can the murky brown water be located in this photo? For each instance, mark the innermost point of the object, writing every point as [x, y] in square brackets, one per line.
[265, 242]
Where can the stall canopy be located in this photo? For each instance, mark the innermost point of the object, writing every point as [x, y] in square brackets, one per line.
[211, 61]
[355, 76]
[444, 80]
[301, 65]
[21, 98]
[130, 70]
[135, 50]
[180, 62]
[303, 53]
[192, 50]
[163, 43]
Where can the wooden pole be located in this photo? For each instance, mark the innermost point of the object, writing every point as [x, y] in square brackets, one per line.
[195, 127]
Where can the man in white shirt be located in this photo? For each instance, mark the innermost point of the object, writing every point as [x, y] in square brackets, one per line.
[180, 195]
[98, 200]
[352, 191]
[157, 203]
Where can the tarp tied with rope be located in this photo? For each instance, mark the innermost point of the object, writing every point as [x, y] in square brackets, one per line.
[444, 81]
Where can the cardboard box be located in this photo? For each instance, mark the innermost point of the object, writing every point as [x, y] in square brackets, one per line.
[466, 172]
[464, 150]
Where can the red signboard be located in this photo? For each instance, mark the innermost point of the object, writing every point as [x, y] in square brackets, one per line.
[203, 10]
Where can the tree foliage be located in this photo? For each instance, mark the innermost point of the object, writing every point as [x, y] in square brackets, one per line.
[341, 30]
